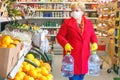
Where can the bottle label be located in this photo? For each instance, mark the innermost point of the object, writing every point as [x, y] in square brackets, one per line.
[69, 67]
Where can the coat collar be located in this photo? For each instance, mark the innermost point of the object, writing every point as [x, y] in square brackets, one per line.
[75, 24]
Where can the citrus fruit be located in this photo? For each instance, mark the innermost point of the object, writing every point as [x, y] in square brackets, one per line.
[16, 41]
[42, 78]
[39, 75]
[44, 71]
[20, 75]
[49, 77]
[6, 40]
[11, 46]
[31, 66]
[41, 62]
[32, 73]
[3, 45]
[28, 78]
[17, 78]
[26, 68]
[36, 61]
[47, 66]
[30, 56]
[20, 69]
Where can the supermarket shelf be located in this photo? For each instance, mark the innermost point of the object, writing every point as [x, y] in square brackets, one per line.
[49, 17]
[6, 19]
[49, 27]
[61, 10]
[92, 17]
[116, 37]
[19, 18]
[90, 10]
[117, 27]
[116, 45]
[59, 17]
[54, 2]
[52, 10]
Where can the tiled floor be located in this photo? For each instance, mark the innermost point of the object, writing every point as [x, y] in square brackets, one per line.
[103, 75]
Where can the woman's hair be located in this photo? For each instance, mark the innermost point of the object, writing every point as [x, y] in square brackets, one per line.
[80, 5]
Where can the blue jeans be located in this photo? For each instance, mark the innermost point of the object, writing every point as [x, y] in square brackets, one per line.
[77, 77]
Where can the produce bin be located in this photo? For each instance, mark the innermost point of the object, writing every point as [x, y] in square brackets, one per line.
[8, 59]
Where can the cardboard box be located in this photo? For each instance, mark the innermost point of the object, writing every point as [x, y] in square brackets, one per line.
[8, 59]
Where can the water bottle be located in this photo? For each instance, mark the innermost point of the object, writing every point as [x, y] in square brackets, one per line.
[94, 64]
[67, 66]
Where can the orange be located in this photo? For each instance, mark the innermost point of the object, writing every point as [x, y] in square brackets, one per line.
[16, 41]
[49, 77]
[41, 62]
[12, 41]
[3, 45]
[38, 70]
[24, 63]
[20, 75]
[39, 75]
[6, 40]
[32, 73]
[31, 78]
[30, 56]
[42, 78]
[28, 78]
[7, 36]
[44, 71]
[47, 66]
[11, 46]
[26, 68]
[17, 78]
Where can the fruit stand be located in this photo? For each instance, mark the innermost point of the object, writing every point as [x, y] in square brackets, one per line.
[21, 53]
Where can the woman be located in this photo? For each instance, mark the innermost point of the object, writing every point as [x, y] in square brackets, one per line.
[75, 35]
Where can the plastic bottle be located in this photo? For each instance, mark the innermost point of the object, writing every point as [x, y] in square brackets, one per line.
[67, 66]
[94, 64]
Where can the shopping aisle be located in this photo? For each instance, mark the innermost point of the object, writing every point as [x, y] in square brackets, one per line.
[57, 74]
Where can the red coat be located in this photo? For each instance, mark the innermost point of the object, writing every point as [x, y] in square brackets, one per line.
[70, 33]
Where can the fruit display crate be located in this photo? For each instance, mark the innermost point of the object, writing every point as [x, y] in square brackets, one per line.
[13, 61]
[8, 57]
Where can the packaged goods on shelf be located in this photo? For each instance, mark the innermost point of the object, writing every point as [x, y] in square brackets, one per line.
[117, 40]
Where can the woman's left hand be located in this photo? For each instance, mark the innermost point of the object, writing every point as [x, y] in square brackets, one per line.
[94, 46]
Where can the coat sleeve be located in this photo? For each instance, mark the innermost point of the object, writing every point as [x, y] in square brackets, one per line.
[93, 38]
[61, 36]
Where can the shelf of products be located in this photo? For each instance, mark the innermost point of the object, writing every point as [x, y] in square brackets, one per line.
[57, 10]
[107, 28]
[106, 18]
[117, 40]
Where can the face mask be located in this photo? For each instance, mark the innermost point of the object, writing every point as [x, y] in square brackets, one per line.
[77, 15]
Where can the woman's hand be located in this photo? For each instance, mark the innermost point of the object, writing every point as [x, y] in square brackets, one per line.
[94, 46]
[68, 47]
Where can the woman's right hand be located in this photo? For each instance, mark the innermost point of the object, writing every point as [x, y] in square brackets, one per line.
[68, 47]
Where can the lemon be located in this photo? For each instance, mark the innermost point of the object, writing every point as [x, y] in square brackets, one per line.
[36, 61]
[11, 46]
[30, 56]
